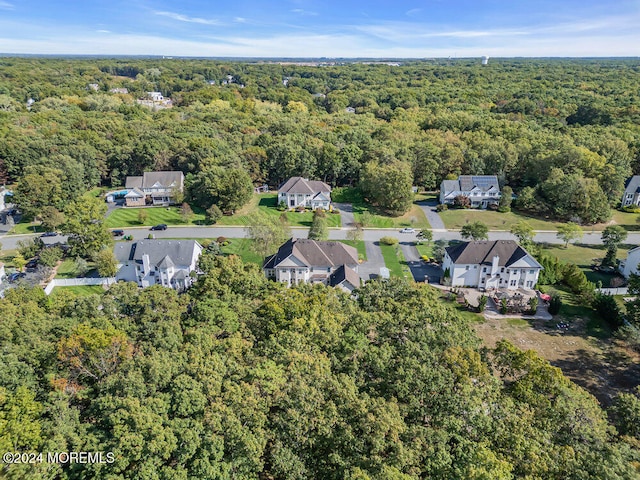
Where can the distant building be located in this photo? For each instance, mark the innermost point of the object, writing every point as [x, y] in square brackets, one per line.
[169, 263]
[93, 86]
[482, 190]
[300, 192]
[119, 90]
[630, 264]
[155, 96]
[496, 264]
[485, 60]
[631, 195]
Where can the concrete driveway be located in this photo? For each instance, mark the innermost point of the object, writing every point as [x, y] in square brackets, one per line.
[371, 268]
[429, 209]
[346, 214]
[421, 271]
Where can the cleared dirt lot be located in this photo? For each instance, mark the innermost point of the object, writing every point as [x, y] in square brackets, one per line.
[603, 366]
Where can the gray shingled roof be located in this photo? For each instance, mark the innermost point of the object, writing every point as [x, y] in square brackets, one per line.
[133, 182]
[180, 252]
[450, 186]
[314, 253]
[149, 179]
[482, 252]
[344, 273]
[483, 182]
[302, 185]
[632, 185]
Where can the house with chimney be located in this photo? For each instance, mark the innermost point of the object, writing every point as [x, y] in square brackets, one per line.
[301, 192]
[312, 261]
[482, 190]
[490, 265]
[153, 188]
[170, 263]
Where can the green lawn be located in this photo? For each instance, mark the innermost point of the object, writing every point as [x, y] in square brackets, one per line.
[67, 269]
[394, 261]
[424, 249]
[573, 308]
[7, 258]
[629, 221]
[243, 248]
[413, 218]
[80, 290]
[26, 227]
[584, 256]
[267, 203]
[128, 217]
[457, 218]
[359, 244]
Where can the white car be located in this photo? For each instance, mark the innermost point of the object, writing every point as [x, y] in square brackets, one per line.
[408, 230]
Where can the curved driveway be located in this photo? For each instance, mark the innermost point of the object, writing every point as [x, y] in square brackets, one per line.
[429, 209]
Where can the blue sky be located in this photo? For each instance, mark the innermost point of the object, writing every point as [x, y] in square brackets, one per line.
[316, 28]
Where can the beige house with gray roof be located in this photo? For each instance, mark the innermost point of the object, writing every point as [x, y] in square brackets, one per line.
[153, 188]
[311, 261]
[300, 192]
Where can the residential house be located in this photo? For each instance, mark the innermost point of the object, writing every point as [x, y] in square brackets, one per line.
[153, 188]
[485, 264]
[3, 192]
[155, 96]
[312, 261]
[482, 190]
[300, 192]
[630, 264]
[169, 263]
[631, 195]
[2, 273]
[93, 86]
[119, 90]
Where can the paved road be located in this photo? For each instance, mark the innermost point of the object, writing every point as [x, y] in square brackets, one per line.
[375, 260]
[429, 209]
[346, 214]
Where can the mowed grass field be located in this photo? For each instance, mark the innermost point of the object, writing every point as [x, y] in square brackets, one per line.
[267, 203]
[455, 219]
[128, 217]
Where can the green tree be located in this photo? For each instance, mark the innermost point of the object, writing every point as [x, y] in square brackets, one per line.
[425, 235]
[214, 214]
[505, 199]
[19, 261]
[612, 236]
[523, 231]
[267, 233]
[229, 188]
[85, 227]
[81, 266]
[51, 218]
[388, 185]
[475, 231]
[39, 187]
[50, 256]
[319, 229]
[186, 213]
[569, 232]
[142, 216]
[106, 263]
[356, 233]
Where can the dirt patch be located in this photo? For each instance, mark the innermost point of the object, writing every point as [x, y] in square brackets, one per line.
[604, 367]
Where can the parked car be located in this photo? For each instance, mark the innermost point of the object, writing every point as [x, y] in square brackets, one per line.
[16, 276]
[408, 230]
[49, 234]
[161, 226]
[33, 263]
[118, 233]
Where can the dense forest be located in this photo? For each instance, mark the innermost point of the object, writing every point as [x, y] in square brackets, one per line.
[563, 134]
[244, 378]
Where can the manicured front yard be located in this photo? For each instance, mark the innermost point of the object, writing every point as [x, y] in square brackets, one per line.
[80, 290]
[128, 217]
[267, 203]
[413, 218]
[67, 269]
[243, 247]
[456, 218]
[26, 227]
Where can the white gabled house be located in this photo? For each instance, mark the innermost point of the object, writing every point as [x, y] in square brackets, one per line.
[300, 192]
[158, 262]
[482, 190]
[155, 188]
[631, 195]
[490, 264]
[630, 264]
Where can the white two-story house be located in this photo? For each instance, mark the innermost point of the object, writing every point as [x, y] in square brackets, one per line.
[482, 190]
[157, 187]
[300, 192]
[631, 195]
[312, 261]
[485, 264]
[169, 263]
[630, 264]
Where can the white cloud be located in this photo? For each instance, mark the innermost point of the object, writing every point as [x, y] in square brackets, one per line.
[305, 13]
[6, 5]
[239, 19]
[103, 31]
[185, 18]
[412, 12]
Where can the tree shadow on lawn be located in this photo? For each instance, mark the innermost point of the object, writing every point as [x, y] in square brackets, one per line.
[268, 202]
[603, 374]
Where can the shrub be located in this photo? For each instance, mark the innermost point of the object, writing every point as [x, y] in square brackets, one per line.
[214, 214]
[608, 309]
[221, 240]
[282, 206]
[631, 209]
[389, 240]
[425, 258]
[503, 306]
[482, 303]
[533, 305]
[442, 207]
[461, 201]
[555, 304]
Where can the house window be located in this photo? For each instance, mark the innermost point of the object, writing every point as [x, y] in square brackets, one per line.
[482, 280]
[502, 270]
[532, 272]
[529, 284]
[484, 269]
[507, 271]
[467, 267]
[292, 203]
[513, 283]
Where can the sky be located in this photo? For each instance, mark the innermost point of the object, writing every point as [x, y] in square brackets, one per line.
[323, 28]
